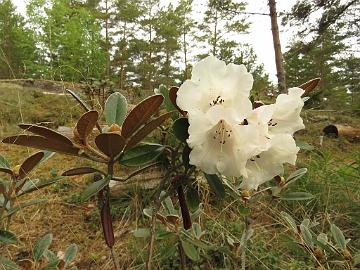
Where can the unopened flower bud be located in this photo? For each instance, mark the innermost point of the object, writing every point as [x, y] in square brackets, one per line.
[245, 195]
[257, 104]
[280, 180]
[347, 254]
[319, 254]
[114, 128]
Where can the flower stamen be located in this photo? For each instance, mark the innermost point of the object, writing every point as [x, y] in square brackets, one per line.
[216, 101]
[222, 133]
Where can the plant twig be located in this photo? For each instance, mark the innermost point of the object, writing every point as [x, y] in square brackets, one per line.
[115, 259]
[243, 242]
[182, 256]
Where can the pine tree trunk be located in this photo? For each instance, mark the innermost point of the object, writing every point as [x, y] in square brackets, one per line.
[277, 47]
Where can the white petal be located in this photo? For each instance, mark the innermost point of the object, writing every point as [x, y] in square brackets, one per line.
[269, 163]
[286, 118]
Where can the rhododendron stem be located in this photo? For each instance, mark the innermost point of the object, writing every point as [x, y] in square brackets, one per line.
[184, 208]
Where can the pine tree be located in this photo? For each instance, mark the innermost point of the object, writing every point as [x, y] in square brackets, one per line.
[221, 22]
[17, 45]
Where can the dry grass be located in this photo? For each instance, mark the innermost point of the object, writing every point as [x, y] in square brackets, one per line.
[71, 221]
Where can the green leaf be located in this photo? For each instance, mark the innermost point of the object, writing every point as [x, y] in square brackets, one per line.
[163, 90]
[197, 230]
[51, 265]
[115, 109]
[41, 246]
[296, 196]
[322, 238]
[338, 236]
[94, 188]
[4, 163]
[7, 237]
[180, 128]
[192, 198]
[148, 212]
[141, 233]
[304, 146]
[47, 156]
[190, 251]
[357, 260]
[51, 256]
[2, 201]
[306, 234]
[141, 154]
[169, 207]
[37, 184]
[290, 221]
[296, 175]
[24, 205]
[216, 185]
[7, 264]
[161, 234]
[70, 253]
[244, 211]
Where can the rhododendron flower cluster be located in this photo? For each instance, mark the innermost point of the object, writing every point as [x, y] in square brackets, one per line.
[227, 135]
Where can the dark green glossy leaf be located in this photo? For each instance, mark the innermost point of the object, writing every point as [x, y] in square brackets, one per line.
[42, 245]
[141, 154]
[216, 185]
[180, 128]
[7, 237]
[94, 188]
[115, 109]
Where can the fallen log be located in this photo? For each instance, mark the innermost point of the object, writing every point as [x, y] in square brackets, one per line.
[337, 130]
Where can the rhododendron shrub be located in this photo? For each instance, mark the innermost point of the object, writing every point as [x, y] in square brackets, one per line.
[227, 135]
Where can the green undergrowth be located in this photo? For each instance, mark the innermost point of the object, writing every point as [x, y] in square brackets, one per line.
[31, 105]
[333, 178]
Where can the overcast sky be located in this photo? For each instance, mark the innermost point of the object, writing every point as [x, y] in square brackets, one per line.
[259, 33]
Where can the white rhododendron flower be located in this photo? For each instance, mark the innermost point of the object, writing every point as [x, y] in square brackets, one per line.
[226, 135]
[214, 83]
[222, 142]
[268, 164]
[287, 108]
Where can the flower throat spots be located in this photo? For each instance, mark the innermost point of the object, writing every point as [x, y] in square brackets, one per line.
[222, 133]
